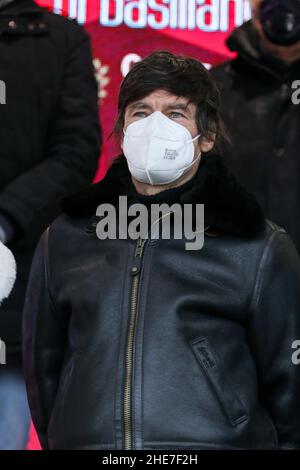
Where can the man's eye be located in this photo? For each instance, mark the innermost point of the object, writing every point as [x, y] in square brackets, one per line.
[140, 114]
[174, 114]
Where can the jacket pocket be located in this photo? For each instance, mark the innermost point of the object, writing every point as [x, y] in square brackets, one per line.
[231, 403]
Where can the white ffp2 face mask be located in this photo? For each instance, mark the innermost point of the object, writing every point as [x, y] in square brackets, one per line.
[158, 150]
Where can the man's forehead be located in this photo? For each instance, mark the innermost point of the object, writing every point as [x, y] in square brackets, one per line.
[165, 101]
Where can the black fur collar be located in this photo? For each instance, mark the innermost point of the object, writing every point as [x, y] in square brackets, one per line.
[227, 205]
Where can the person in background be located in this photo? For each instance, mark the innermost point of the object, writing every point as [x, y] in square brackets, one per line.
[50, 139]
[257, 89]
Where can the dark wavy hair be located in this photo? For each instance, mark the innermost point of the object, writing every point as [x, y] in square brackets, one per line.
[182, 76]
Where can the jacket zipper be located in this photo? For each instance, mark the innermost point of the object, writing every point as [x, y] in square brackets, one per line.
[135, 272]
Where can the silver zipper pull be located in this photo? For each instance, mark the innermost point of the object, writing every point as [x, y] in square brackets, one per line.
[139, 247]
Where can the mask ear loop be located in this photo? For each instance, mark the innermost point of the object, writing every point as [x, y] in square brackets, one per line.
[189, 141]
[194, 138]
[195, 159]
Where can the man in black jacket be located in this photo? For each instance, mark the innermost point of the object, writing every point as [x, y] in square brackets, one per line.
[258, 108]
[141, 343]
[50, 142]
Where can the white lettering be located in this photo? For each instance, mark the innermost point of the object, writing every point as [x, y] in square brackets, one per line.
[175, 14]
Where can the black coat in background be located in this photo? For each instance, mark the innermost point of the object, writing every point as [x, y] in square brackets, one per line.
[49, 130]
[264, 125]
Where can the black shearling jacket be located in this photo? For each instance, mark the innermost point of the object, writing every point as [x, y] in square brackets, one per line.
[158, 347]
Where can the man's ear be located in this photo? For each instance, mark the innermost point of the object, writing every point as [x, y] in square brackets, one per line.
[206, 145]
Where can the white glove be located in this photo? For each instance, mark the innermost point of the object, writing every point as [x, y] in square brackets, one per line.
[8, 272]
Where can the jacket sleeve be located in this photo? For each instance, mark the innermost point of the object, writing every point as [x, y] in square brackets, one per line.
[43, 342]
[273, 328]
[8, 230]
[72, 149]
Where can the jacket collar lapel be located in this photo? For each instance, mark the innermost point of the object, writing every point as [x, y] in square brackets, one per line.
[227, 205]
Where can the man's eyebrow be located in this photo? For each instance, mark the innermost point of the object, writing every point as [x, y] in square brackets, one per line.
[139, 105]
[175, 105]
[143, 105]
